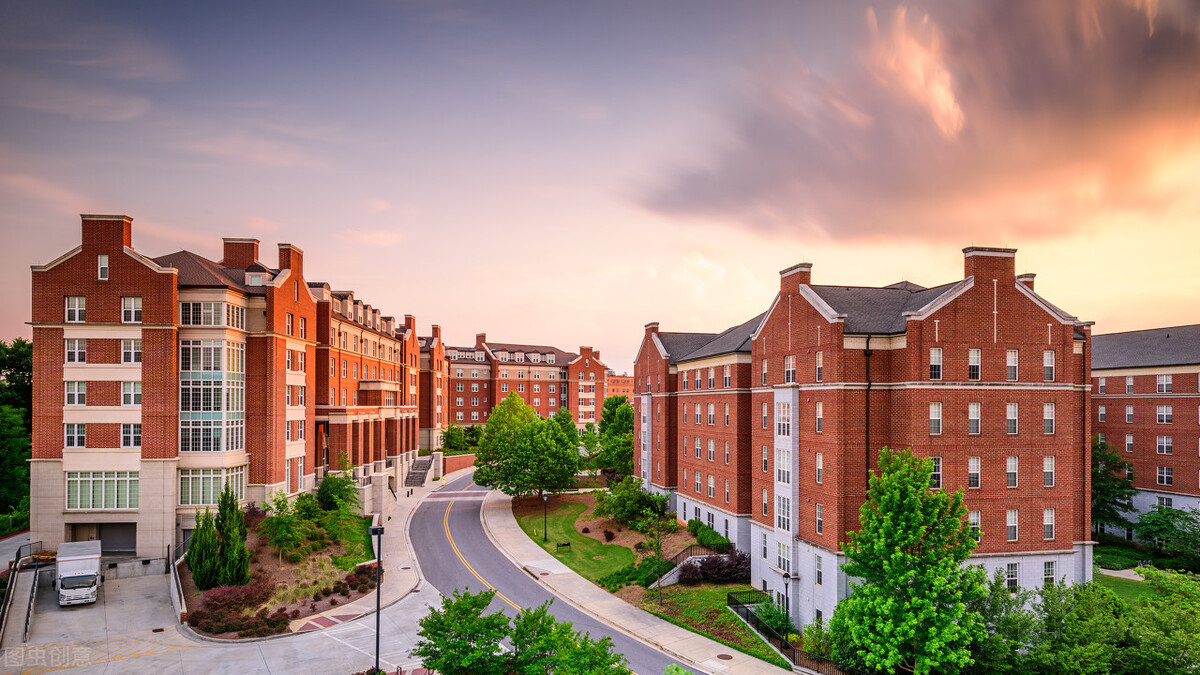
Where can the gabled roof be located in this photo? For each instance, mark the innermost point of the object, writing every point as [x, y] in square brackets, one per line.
[197, 271]
[731, 340]
[879, 310]
[561, 358]
[1173, 346]
[679, 345]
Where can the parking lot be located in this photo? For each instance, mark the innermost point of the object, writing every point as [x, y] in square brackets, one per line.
[122, 606]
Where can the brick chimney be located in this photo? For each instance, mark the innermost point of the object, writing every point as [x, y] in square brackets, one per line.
[409, 322]
[1027, 279]
[480, 338]
[106, 233]
[795, 276]
[437, 332]
[239, 253]
[291, 258]
[983, 262]
[651, 327]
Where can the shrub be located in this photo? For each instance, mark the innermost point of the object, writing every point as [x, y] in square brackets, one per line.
[237, 598]
[338, 489]
[609, 535]
[723, 569]
[694, 525]
[586, 530]
[639, 546]
[332, 601]
[317, 597]
[1114, 562]
[626, 501]
[294, 556]
[775, 617]
[295, 613]
[817, 639]
[689, 574]
[710, 538]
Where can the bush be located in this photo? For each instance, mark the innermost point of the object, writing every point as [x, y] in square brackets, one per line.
[294, 557]
[817, 639]
[694, 526]
[710, 538]
[609, 535]
[689, 574]
[586, 530]
[723, 569]
[337, 489]
[1114, 562]
[625, 502]
[237, 598]
[307, 506]
[775, 617]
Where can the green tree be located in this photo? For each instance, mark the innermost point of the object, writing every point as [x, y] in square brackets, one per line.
[522, 454]
[454, 438]
[1175, 531]
[338, 489]
[1080, 628]
[608, 414]
[16, 377]
[1009, 630]
[566, 423]
[234, 565]
[909, 612]
[458, 639]
[282, 526]
[589, 440]
[473, 433]
[203, 556]
[1165, 625]
[626, 501]
[1112, 486]
[15, 451]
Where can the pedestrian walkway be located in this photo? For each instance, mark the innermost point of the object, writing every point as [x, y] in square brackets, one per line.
[691, 648]
[1131, 573]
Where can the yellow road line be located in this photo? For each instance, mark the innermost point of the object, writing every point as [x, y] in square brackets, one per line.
[450, 538]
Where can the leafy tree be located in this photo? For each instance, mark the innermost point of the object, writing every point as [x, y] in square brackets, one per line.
[282, 527]
[459, 639]
[626, 502]
[910, 611]
[816, 638]
[1112, 486]
[566, 423]
[616, 441]
[523, 454]
[454, 438]
[203, 556]
[15, 451]
[1175, 531]
[1080, 628]
[776, 617]
[229, 514]
[590, 441]
[608, 414]
[338, 489]
[473, 433]
[16, 377]
[1165, 625]
[1010, 629]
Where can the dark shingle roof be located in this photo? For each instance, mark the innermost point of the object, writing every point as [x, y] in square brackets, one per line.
[735, 339]
[878, 310]
[561, 358]
[679, 345]
[1174, 346]
[198, 271]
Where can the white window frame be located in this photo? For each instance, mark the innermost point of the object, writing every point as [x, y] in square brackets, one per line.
[974, 363]
[974, 472]
[1012, 525]
[102, 267]
[75, 309]
[1012, 371]
[1047, 418]
[974, 419]
[1012, 418]
[935, 418]
[1048, 365]
[935, 363]
[131, 309]
[1012, 467]
[1047, 524]
[1048, 471]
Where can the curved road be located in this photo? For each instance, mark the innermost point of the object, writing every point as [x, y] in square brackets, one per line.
[454, 552]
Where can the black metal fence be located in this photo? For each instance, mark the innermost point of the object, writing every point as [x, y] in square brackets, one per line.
[743, 603]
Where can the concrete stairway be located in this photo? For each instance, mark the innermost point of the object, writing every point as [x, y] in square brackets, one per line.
[418, 471]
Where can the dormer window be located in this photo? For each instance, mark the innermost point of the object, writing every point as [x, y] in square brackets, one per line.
[503, 356]
[254, 280]
[478, 356]
[520, 356]
[549, 358]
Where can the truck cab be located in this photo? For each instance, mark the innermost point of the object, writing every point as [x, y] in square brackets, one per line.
[77, 575]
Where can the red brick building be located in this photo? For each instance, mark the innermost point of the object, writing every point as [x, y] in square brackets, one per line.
[981, 374]
[618, 385]
[435, 385]
[158, 381]
[1146, 405]
[546, 378]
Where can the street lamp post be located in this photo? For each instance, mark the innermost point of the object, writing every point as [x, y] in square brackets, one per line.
[787, 601]
[544, 499]
[377, 531]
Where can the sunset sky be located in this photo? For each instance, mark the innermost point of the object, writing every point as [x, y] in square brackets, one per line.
[564, 172]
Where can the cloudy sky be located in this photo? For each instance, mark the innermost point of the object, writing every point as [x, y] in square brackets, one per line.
[566, 172]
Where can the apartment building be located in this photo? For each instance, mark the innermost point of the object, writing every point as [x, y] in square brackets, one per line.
[982, 374]
[435, 385]
[696, 395]
[1146, 405]
[159, 381]
[546, 378]
[618, 385]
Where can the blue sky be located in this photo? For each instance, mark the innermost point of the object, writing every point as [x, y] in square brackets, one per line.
[566, 172]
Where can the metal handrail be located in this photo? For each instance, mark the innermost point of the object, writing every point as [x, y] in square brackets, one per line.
[37, 572]
[814, 662]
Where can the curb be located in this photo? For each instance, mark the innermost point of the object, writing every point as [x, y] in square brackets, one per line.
[13, 534]
[640, 638]
[190, 633]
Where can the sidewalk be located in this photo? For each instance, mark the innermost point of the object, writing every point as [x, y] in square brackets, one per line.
[691, 648]
[400, 571]
[1130, 573]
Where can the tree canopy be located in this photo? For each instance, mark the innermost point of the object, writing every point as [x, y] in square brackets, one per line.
[615, 455]
[1112, 486]
[522, 454]
[910, 610]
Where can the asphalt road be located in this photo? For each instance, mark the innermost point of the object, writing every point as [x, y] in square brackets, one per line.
[448, 537]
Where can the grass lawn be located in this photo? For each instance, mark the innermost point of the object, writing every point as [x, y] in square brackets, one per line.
[701, 609]
[1129, 590]
[588, 557]
[360, 547]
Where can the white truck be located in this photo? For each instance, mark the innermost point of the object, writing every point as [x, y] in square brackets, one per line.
[77, 577]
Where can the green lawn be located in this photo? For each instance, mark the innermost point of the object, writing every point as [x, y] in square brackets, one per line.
[1128, 589]
[701, 609]
[588, 557]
